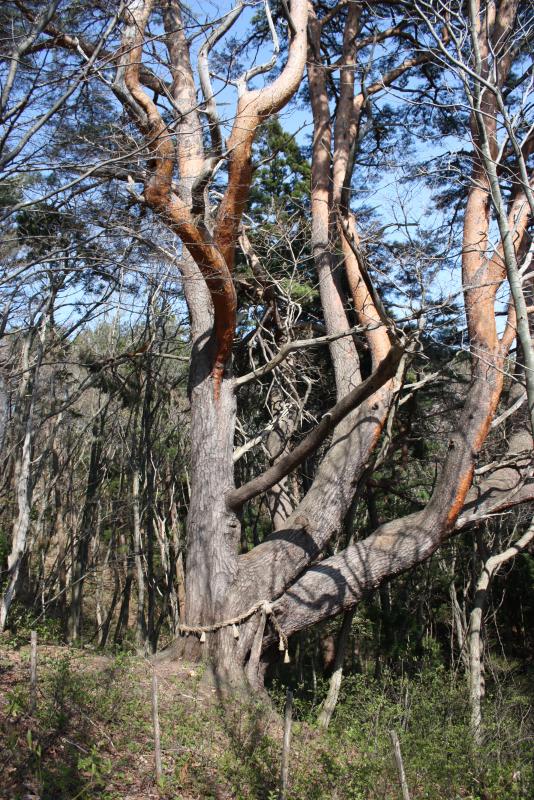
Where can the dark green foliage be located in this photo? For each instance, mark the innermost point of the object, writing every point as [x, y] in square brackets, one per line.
[282, 175]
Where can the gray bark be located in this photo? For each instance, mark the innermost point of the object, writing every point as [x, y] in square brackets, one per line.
[330, 702]
[491, 566]
[87, 530]
[23, 477]
[400, 765]
[140, 629]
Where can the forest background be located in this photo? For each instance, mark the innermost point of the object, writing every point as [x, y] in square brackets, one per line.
[267, 393]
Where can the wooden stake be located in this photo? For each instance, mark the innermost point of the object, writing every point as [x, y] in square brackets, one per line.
[155, 722]
[284, 771]
[33, 672]
[400, 765]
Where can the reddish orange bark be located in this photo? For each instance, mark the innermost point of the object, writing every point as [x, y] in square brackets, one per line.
[160, 197]
[214, 255]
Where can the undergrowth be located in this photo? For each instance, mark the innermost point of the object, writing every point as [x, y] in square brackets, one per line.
[91, 736]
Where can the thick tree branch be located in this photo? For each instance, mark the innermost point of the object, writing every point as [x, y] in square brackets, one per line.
[338, 583]
[384, 372]
[343, 351]
[158, 190]
[252, 109]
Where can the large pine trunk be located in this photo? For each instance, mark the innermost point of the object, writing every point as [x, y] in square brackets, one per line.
[213, 532]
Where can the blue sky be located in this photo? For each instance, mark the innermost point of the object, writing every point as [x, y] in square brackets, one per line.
[393, 200]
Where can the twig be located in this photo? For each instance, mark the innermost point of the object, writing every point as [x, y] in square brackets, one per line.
[400, 765]
[284, 770]
[33, 672]
[155, 722]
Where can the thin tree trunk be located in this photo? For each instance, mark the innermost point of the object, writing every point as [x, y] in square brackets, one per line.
[86, 531]
[112, 551]
[33, 672]
[23, 477]
[167, 559]
[155, 725]
[147, 422]
[286, 746]
[491, 566]
[140, 630]
[59, 532]
[459, 625]
[4, 409]
[400, 765]
[335, 680]
[124, 613]
[177, 559]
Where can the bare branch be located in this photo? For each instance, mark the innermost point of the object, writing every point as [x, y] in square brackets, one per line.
[210, 106]
[384, 372]
[291, 347]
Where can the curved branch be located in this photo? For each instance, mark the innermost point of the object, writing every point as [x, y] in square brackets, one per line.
[338, 583]
[290, 347]
[158, 190]
[384, 372]
[396, 72]
[205, 81]
[260, 69]
[252, 109]
[78, 44]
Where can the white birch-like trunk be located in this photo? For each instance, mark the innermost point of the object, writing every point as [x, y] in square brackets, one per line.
[491, 566]
[23, 478]
[335, 681]
[140, 631]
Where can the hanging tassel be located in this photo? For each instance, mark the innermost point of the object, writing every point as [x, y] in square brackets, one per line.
[235, 631]
[202, 637]
[286, 657]
[281, 644]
